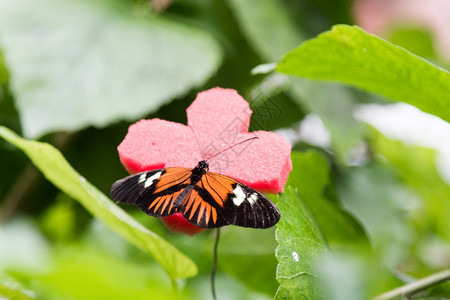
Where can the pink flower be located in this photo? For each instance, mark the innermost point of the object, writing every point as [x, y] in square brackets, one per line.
[220, 118]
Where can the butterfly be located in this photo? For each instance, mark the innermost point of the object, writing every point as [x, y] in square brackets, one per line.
[206, 199]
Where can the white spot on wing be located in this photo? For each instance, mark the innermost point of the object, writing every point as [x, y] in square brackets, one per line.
[239, 192]
[239, 195]
[152, 178]
[252, 199]
[295, 256]
[238, 201]
[142, 177]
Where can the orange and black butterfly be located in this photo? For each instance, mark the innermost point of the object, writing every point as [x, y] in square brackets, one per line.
[205, 199]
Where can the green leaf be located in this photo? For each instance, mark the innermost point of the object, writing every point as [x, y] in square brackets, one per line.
[310, 176]
[58, 171]
[300, 244]
[350, 55]
[77, 63]
[267, 25]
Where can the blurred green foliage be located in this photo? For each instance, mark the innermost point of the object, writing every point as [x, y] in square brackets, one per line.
[77, 73]
[56, 169]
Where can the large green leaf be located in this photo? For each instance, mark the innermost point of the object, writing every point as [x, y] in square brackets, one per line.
[348, 54]
[76, 63]
[58, 171]
[300, 244]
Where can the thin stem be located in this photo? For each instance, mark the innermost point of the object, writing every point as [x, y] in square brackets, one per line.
[18, 192]
[214, 267]
[416, 286]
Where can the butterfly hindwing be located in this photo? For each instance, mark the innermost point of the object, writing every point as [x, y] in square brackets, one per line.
[200, 209]
[217, 200]
[154, 191]
[249, 208]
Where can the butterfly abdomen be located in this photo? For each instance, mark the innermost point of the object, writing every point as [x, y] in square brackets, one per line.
[182, 196]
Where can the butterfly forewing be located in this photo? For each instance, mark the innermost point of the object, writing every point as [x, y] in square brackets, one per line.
[154, 191]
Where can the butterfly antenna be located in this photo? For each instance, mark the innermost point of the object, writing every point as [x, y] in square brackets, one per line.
[196, 139]
[249, 139]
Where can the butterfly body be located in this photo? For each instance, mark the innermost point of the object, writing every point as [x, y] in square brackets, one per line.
[205, 199]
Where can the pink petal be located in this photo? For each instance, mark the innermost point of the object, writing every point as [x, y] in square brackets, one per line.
[178, 224]
[154, 144]
[215, 110]
[220, 118]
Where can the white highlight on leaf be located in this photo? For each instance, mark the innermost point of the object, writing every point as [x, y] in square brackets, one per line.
[239, 196]
[152, 178]
[82, 179]
[295, 256]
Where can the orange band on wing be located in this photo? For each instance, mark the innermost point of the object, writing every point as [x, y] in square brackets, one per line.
[190, 200]
[173, 177]
[166, 201]
[218, 186]
[208, 213]
[201, 211]
[197, 205]
[196, 202]
[214, 215]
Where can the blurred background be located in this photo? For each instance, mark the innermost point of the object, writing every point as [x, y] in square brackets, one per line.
[77, 73]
